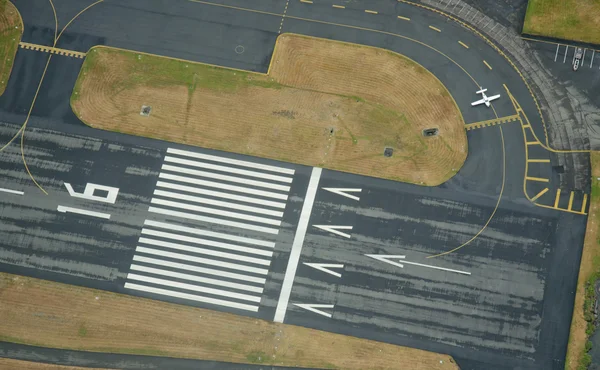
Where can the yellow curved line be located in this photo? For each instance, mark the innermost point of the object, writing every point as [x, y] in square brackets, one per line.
[495, 208]
[25, 163]
[75, 17]
[55, 22]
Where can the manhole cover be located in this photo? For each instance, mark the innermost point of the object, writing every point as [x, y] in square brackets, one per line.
[430, 132]
[239, 49]
[559, 169]
[387, 152]
[145, 110]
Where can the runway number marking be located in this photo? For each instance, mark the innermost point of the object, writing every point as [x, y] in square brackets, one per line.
[334, 229]
[315, 308]
[89, 194]
[389, 258]
[344, 192]
[325, 267]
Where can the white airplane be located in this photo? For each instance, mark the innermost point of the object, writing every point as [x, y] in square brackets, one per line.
[486, 99]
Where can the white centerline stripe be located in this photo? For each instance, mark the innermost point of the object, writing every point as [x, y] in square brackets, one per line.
[219, 194]
[213, 220]
[237, 171]
[212, 243]
[237, 162]
[191, 297]
[206, 261]
[217, 203]
[202, 270]
[217, 212]
[193, 287]
[217, 176]
[12, 191]
[80, 211]
[290, 272]
[221, 186]
[208, 252]
[191, 230]
[200, 279]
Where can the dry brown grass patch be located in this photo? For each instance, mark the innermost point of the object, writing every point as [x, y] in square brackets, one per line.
[10, 364]
[370, 98]
[56, 315]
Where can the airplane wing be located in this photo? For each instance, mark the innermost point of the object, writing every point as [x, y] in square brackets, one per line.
[493, 97]
[478, 102]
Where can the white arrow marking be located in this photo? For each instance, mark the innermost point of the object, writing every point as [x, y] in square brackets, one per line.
[386, 258]
[343, 192]
[313, 308]
[323, 267]
[334, 229]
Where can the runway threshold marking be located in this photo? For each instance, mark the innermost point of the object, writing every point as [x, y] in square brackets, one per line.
[487, 65]
[292, 266]
[17, 192]
[491, 122]
[435, 29]
[463, 44]
[52, 50]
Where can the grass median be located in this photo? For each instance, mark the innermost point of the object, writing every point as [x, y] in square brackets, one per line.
[577, 20]
[10, 364]
[323, 103]
[582, 323]
[11, 30]
[48, 314]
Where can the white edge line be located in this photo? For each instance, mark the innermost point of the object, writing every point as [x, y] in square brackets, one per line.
[437, 268]
[290, 271]
[17, 192]
[80, 211]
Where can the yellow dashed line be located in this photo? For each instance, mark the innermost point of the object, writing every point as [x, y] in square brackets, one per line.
[584, 203]
[435, 29]
[536, 179]
[463, 44]
[538, 160]
[306, 1]
[487, 65]
[533, 143]
[571, 200]
[370, 11]
[539, 194]
[339, 6]
[557, 198]
[403, 18]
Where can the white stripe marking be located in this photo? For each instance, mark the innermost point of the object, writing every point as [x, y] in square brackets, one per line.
[217, 203]
[206, 261]
[217, 212]
[334, 229]
[199, 279]
[583, 58]
[213, 220]
[191, 297]
[566, 52]
[344, 192]
[191, 230]
[211, 243]
[592, 61]
[80, 211]
[217, 176]
[313, 308]
[237, 162]
[208, 252]
[237, 171]
[324, 267]
[12, 191]
[202, 270]
[556, 55]
[290, 272]
[212, 184]
[241, 198]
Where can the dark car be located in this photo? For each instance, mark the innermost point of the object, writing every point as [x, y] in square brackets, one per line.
[577, 59]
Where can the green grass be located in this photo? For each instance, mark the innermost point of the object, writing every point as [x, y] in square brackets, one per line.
[564, 19]
[9, 43]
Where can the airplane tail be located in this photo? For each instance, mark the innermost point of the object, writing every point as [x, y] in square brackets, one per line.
[481, 91]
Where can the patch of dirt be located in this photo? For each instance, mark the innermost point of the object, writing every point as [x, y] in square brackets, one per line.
[10, 364]
[11, 30]
[57, 315]
[371, 98]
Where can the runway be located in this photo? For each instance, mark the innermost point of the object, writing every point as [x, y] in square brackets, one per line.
[239, 234]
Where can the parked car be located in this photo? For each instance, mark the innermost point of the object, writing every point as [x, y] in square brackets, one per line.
[577, 59]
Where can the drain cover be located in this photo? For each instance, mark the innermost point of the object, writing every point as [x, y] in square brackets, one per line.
[387, 152]
[430, 132]
[145, 110]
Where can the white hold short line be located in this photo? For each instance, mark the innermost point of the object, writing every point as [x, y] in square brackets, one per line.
[222, 186]
[334, 229]
[236, 162]
[315, 308]
[213, 220]
[80, 211]
[344, 192]
[325, 267]
[191, 297]
[212, 234]
[292, 266]
[17, 192]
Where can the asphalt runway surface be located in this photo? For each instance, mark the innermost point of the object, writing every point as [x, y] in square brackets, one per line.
[218, 230]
